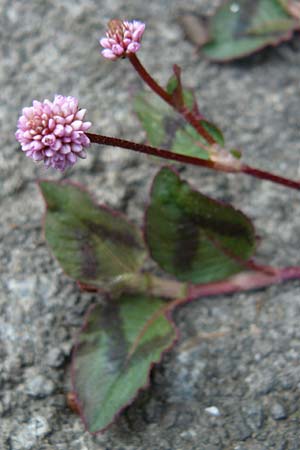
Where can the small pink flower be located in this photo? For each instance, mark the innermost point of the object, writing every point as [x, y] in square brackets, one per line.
[122, 38]
[54, 132]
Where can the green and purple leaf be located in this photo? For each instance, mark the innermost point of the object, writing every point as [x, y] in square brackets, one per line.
[242, 27]
[94, 245]
[194, 237]
[118, 345]
[165, 128]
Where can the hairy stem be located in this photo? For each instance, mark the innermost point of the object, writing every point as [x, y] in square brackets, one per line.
[162, 93]
[166, 154]
[154, 151]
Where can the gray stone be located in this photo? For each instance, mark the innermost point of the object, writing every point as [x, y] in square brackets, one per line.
[55, 357]
[278, 411]
[254, 415]
[26, 436]
[240, 430]
[213, 411]
[39, 386]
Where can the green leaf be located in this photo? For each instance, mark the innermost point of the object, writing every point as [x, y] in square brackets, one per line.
[188, 142]
[192, 236]
[214, 131]
[166, 129]
[115, 352]
[154, 116]
[174, 87]
[94, 245]
[241, 27]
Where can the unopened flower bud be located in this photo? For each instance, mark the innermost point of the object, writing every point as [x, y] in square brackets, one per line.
[122, 38]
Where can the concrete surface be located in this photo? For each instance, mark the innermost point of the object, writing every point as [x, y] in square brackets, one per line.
[233, 380]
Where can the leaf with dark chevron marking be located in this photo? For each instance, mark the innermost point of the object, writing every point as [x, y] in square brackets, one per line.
[93, 244]
[119, 344]
[192, 236]
[241, 27]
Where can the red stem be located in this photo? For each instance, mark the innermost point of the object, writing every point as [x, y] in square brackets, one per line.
[149, 80]
[166, 154]
[149, 150]
[188, 115]
[244, 281]
[257, 173]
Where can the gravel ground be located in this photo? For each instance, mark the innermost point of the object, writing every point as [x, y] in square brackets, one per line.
[233, 380]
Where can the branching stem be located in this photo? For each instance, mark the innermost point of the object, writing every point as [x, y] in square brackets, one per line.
[185, 293]
[162, 93]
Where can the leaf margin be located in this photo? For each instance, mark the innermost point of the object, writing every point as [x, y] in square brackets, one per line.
[89, 287]
[176, 331]
[272, 43]
[256, 237]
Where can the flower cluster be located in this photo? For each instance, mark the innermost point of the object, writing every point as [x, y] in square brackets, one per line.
[54, 132]
[122, 38]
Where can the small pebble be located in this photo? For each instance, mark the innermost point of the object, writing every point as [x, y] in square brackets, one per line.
[213, 411]
[254, 415]
[278, 411]
[55, 357]
[26, 436]
[40, 386]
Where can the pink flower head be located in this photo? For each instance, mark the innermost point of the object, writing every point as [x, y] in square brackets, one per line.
[54, 132]
[122, 38]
